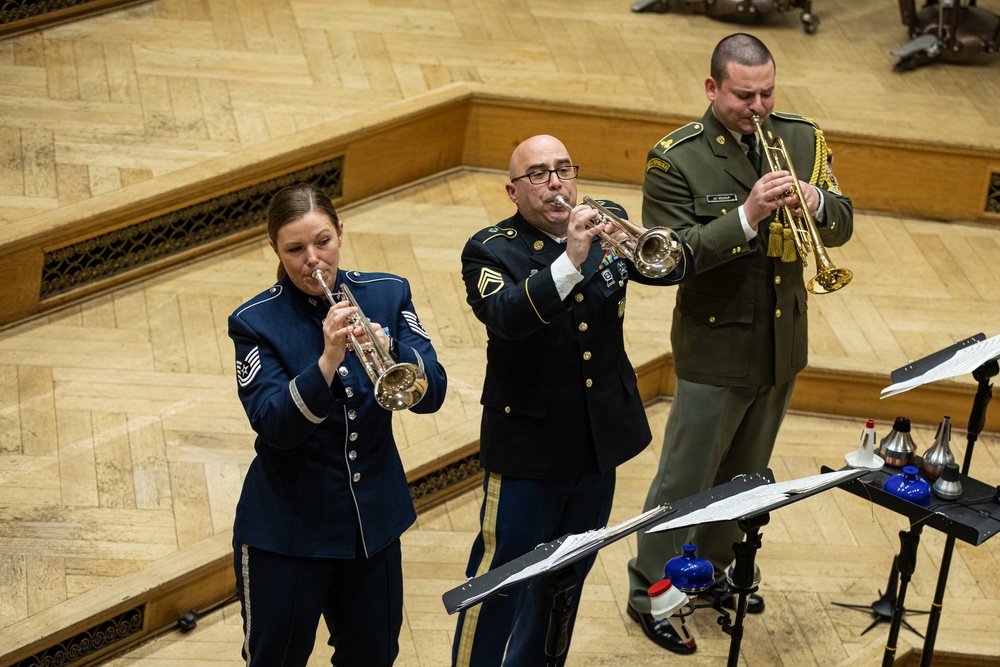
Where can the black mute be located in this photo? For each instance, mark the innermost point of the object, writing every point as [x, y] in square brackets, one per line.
[948, 486]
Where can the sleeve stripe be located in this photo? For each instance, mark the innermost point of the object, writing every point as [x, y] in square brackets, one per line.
[533, 303]
[301, 404]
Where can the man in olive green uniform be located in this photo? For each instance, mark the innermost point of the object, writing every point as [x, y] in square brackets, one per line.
[739, 334]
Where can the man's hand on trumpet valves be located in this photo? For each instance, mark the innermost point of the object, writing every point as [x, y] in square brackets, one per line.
[579, 235]
[771, 191]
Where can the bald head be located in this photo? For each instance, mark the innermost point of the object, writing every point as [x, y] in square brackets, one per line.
[536, 202]
[531, 152]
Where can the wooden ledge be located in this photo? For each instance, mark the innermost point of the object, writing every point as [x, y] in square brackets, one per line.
[455, 126]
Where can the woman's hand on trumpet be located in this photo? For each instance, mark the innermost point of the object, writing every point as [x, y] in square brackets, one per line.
[335, 338]
[361, 335]
[579, 235]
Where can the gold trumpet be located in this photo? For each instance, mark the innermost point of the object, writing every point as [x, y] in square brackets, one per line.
[828, 277]
[398, 386]
[655, 252]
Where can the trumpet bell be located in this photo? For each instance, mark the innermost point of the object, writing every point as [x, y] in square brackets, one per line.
[400, 387]
[657, 252]
[829, 280]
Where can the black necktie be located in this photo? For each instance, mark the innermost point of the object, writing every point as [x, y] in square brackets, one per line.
[752, 153]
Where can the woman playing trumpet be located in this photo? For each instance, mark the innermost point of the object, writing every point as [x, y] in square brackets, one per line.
[326, 498]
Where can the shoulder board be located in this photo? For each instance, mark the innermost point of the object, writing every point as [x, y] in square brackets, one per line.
[494, 232]
[361, 277]
[794, 117]
[680, 134]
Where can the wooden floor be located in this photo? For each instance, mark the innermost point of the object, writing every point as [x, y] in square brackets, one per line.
[121, 438]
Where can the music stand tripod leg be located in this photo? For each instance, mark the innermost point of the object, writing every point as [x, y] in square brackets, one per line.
[743, 581]
[906, 562]
[559, 583]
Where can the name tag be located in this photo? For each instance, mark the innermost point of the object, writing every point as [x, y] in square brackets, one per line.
[721, 199]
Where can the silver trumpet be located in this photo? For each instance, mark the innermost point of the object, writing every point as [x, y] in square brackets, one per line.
[655, 252]
[398, 386]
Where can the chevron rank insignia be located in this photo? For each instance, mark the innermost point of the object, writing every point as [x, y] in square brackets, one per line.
[248, 367]
[415, 326]
[490, 282]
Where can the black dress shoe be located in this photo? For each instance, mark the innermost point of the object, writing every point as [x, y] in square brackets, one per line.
[661, 632]
[727, 597]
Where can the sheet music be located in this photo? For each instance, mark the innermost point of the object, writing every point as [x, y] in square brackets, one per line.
[965, 361]
[572, 546]
[752, 500]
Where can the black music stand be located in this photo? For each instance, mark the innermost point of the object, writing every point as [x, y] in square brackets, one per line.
[540, 563]
[974, 517]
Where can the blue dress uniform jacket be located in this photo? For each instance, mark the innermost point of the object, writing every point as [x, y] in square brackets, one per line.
[326, 462]
[560, 396]
[742, 320]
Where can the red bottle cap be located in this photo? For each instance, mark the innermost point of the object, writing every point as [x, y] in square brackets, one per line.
[659, 588]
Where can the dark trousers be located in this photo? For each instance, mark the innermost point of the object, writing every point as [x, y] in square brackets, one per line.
[712, 435]
[283, 597]
[517, 515]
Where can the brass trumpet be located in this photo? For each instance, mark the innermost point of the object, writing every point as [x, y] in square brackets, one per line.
[398, 386]
[655, 252]
[828, 277]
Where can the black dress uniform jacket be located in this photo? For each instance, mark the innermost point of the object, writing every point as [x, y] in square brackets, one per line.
[326, 460]
[560, 396]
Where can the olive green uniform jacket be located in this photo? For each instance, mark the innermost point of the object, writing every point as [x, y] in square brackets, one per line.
[742, 320]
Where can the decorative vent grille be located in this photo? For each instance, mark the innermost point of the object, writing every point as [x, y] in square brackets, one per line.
[144, 242]
[424, 489]
[17, 10]
[993, 195]
[89, 641]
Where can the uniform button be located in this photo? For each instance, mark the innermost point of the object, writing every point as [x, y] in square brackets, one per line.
[621, 283]
[777, 280]
[352, 437]
[578, 298]
[351, 414]
[348, 391]
[712, 319]
[833, 225]
[356, 477]
[583, 326]
[590, 383]
[586, 355]
[352, 455]
[343, 371]
[734, 251]
[506, 410]
[777, 313]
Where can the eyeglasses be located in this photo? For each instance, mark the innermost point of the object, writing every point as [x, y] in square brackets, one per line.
[542, 176]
